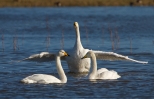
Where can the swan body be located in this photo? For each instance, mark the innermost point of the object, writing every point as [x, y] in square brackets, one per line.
[41, 78]
[74, 61]
[102, 73]
[47, 79]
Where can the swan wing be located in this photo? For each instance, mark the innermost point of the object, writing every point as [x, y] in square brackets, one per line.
[101, 55]
[99, 71]
[42, 57]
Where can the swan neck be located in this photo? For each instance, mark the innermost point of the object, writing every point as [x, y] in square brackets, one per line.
[60, 70]
[78, 40]
[94, 67]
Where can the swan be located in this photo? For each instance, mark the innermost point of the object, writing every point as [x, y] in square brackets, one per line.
[47, 79]
[102, 73]
[74, 61]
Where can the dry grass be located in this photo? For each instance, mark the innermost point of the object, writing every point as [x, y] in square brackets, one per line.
[47, 3]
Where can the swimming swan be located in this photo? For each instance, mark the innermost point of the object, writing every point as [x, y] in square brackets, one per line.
[47, 79]
[75, 63]
[102, 73]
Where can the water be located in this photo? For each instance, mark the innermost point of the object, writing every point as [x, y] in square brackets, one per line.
[30, 29]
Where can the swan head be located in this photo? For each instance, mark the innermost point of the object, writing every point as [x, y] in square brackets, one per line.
[62, 53]
[88, 55]
[76, 24]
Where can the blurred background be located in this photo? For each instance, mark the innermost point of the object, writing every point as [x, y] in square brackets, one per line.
[48, 3]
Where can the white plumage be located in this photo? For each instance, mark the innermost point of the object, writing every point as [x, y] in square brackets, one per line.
[47, 79]
[41, 78]
[102, 73]
[74, 62]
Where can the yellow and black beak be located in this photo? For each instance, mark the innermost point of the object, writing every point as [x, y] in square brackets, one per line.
[84, 57]
[75, 24]
[66, 54]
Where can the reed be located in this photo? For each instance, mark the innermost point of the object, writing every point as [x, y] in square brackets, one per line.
[47, 42]
[48, 36]
[130, 39]
[86, 29]
[2, 39]
[117, 39]
[15, 43]
[102, 35]
[22, 39]
[62, 37]
[112, 39]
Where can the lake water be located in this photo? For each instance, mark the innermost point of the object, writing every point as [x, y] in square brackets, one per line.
[27, 31]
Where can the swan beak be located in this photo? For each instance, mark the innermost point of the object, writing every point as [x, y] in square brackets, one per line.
[75, 24]
[84, 57]
[66, 54]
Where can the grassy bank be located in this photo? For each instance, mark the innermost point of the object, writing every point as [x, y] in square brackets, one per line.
[48, 3]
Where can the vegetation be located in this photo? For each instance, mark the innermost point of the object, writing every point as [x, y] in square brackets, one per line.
[48, 3]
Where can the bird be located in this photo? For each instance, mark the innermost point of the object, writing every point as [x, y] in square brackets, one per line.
[48, 79]
[74, 61]
[102, 73]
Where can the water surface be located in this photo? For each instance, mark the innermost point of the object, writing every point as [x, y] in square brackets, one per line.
[26, 31]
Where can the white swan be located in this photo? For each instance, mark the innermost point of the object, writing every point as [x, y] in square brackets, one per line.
[102, 73]
[47, 79]
[75, 63]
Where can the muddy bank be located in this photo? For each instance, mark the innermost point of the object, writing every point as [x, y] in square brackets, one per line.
[54, 3]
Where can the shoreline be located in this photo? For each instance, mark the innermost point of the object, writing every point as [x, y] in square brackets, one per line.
[74, 3]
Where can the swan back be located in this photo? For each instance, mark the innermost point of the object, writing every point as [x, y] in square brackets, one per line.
[107, 74]
[41, 79]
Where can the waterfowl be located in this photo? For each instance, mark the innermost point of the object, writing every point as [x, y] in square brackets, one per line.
[102, 73]
[75, 63]
[47, 79]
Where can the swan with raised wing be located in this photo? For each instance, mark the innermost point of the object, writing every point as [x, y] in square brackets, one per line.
[47, 79]
[102, 73]
[75, 63]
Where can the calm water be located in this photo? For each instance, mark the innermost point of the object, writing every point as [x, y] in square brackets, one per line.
[26, 31]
